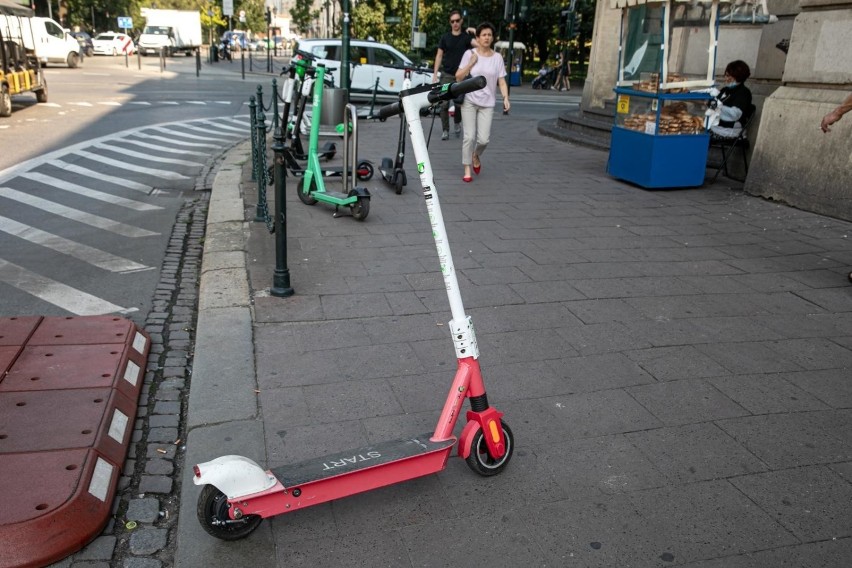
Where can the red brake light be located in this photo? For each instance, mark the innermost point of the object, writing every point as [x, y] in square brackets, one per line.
[196, 471]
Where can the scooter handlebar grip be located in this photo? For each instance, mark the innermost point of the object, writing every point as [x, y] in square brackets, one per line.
[390, 110]
[457, 89]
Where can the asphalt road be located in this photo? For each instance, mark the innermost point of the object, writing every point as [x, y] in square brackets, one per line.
[91, 182]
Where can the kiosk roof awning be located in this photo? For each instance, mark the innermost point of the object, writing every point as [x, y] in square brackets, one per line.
[628, 3]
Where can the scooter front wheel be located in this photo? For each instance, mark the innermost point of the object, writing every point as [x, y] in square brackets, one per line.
[481, 461]
[212, 512]
[360, 208]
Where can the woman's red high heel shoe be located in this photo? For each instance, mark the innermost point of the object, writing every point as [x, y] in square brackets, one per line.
[477, 168]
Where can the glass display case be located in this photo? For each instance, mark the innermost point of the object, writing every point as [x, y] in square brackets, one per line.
[659, 137]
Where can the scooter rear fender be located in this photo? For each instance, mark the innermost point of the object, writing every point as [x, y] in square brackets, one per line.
[235, 476]
[359, 192]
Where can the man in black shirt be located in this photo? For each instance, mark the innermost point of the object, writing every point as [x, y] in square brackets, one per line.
[451, 47]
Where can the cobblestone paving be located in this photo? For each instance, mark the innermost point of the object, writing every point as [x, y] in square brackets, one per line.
[143, 529]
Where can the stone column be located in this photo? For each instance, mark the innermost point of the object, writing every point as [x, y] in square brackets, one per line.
[603, 58]
[793, 160]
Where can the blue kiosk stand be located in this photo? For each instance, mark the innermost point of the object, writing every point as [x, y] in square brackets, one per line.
[659, 138]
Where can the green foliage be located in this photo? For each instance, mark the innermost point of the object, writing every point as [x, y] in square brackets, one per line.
[368, 19]
[301, 15]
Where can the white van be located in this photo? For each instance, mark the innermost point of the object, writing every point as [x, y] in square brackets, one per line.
[51, 43]
[54, 44]
[373, 66]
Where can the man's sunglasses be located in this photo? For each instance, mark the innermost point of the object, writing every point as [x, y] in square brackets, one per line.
[455, 21]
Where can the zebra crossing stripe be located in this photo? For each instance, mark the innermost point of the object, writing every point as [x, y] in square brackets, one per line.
[69, 299]
[183, 134]
[90, 193]
[205, 129]
[148, 156]
[122, 182]
[87, 254]
[75, 214]
[165, 174]
[181, 142]
[244, 130]
[163, 148]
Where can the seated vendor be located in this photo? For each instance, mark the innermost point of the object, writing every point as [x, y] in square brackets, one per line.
[734, 101]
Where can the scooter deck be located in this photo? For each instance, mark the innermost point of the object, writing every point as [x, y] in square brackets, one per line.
[309, 471]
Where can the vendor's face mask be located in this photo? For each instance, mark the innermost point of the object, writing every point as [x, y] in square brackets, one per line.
[730, 84]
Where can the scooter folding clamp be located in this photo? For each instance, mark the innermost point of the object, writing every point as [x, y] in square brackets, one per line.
[464, 338]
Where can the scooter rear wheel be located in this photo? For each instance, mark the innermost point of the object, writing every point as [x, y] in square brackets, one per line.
[212, 512]
[481, 461]
[360, 208]
[365, 171]
[304, 197]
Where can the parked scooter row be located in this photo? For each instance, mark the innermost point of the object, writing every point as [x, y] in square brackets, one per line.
[305, 82]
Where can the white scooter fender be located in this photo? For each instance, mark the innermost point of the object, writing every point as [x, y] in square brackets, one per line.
[235, 476]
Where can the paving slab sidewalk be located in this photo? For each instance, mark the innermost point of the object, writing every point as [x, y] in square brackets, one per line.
[674, 364]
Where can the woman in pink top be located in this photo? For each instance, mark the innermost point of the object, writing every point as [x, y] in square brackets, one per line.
[478, 107]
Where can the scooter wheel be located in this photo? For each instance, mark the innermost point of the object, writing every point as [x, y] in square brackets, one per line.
[304, 197]
[365, 171]
[481, 461]
[360, 209]
[212, 512]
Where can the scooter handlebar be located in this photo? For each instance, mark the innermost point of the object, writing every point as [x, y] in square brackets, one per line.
[438, 93]
[457, 89]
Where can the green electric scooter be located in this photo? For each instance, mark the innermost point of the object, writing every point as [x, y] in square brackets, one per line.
[313, 190]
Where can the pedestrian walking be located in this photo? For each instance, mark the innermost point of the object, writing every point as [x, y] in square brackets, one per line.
[477, 110]
[451, 47]
[562, 82]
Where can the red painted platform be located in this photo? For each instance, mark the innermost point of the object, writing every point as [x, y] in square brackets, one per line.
[69, 388]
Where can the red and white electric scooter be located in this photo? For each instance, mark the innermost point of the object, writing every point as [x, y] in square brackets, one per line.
[238, 494]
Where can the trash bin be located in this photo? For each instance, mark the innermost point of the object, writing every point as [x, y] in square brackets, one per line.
[333, 103]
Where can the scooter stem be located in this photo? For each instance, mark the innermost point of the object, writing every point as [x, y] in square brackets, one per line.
[461, 327]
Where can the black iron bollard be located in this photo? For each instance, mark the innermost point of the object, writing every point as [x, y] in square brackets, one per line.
[243, 63]
[281, 277]
[275, 122]
[253, 122]
[260, 213]
[198, 62]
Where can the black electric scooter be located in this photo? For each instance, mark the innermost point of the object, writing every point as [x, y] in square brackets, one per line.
[392, 170]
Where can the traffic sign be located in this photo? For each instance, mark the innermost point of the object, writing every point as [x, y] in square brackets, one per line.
[228, 7]
[125, 22]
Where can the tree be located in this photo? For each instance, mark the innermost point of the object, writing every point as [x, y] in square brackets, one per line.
[212, 18]
[302, 16]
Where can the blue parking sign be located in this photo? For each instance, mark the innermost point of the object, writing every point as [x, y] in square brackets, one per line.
[125, 22]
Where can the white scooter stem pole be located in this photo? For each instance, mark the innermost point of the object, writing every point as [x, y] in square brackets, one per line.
[461, 326]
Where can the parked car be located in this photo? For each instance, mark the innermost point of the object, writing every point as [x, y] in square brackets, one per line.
[87, 48]
[53, 44]
[236, 38]
[369, 61]
[112, 43]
